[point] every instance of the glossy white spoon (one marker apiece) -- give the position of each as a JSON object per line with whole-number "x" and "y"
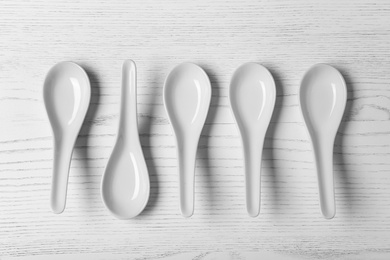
{"x": 187, "y": 96}
{"x": 125, "y": 184}
{"x": 252, "y": 97}
{"x": 66, "y": 93}
{"x": 322, "y": 97}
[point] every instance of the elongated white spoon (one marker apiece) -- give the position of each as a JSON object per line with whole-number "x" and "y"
{"x": 187, "y": 96}
{"x": 125, "y": 183}
{"x": 323, "y": 96}
{"x": 252, "y": 97}
{"x": 66, "y": 93}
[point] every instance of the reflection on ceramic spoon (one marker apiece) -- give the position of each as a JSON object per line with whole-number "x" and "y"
{"x": 252, "y": 97}
{"x": 125, "y": 183}
{"x": 187, "y": 95}
{"x": 66, "y": 94}
{"x": 323, "y": 97}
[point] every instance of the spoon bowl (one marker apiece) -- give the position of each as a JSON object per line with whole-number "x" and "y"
{"x": 125, "y": 183}
{"x": 187, "y": 96}
{"x": 252, "y": 97}
{"x": 323, "y": 97}
{"x": 66, "y": 94}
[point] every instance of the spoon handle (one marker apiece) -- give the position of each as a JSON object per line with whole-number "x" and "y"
{"x": 324, "y": 163}
{"x": 62, "y": 158}
{"x": 252, "y": 154}
{"x": 128, "y": 118}
{"x": 187, "y": 159}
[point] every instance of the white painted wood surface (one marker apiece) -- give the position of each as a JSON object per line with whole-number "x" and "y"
{"x": 285, "y": 36}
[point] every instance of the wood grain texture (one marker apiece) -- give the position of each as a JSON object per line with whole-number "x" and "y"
{"x": 285, "y": 36}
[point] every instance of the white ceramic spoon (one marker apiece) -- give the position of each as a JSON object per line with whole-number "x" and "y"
{"x": 125, "y": 184}
{"x": 66, "y": 93}
{"x": 322, "y": 97}
{"x": 187, "y": 96}
{"x": 252, "y": 97}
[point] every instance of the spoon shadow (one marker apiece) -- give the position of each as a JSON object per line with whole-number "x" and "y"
{"x": 89, "y": 177}
{"x": 342, "y": 174}
{"x": 269, "y": 161}
{"x": 145, "y": 124}
{"x": 204, "y": 170}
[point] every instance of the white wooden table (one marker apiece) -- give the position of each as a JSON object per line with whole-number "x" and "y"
{"x": 285, "y": 36}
